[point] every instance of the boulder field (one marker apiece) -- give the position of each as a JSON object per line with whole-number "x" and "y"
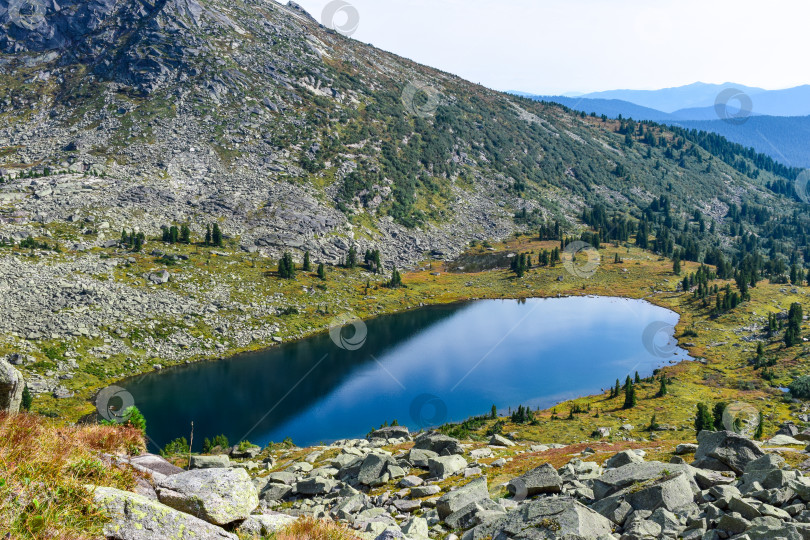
{"x": 384, "y": 487}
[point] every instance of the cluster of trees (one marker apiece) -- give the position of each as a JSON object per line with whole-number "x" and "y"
{"x": 522, "y": 415}
{"x": 134, "y": 240}
{"x": 373, "y": 260}
{"x": 286, "y": 266}
{"x": 172, "y": 234}
{"x": 396, "y": 280}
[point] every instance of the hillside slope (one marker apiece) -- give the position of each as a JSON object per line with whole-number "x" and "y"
{"x": 293, "y": 136}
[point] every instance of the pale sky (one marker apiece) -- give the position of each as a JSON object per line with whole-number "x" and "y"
{"x": 557, "y": 46}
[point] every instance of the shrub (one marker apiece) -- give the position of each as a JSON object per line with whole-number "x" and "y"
{"x": 177, "y": 446}
{"x": 800, "y": 387}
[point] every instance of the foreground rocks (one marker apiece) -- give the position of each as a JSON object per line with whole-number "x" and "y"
{"x": 11, "y": 388}
{"x": 443, "y": 488}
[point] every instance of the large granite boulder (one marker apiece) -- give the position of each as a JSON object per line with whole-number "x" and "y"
{"x": 457, "y": 499}
{"x": 11, "y": 388}
{"x": 220, "y": 461}
{"x": 551, "y": 517}
{"x": 615, "y": 480}
{"x": 725, "y": 451}
{"x": 390, "y": 433}
{"x": 219, "y": 496}
{"x": 669, "y": 492}
{"x": 419, "y": 457}
{"x": 135, "y": 517}
{"x": 542, "y": 479}
{"x": 373, "y": 469}
{"x": 436, "y": 442}
{"x": 261, "y": 525}
{"x": 444, "y": 466}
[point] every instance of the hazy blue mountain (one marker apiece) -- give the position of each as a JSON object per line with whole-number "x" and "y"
{"x": 696, "y": 95}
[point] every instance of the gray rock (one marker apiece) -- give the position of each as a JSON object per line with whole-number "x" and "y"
{"x": 390, "y": 432}
{"x": 219, "y": 496}
{"x": 623, "y": 458}
{"x": 500, "y": 440}
{"x": 455, "y": 500}
{"x": 275, "y": 492}
{"x": 418, "y": 492}
{"x": 373, "y": 468}
{"x": 210, "y": 462}
{"x": 671, "y": 493}
{"x": 542, "y": 479}
{"x": 315, "y": 486}
{"x": 475, "y": 513}
{"x": 416, "y": 527}
{"x": 551, "y": 517}
{"x": 257, "y": 525}
{"x": 436, "y": 442}
{"x": 685, "y": 448}
{"x": 135, "y": 517}
{"x": 725, "y": 450}
{"x": 444, "y": 466}
{"x": 419, "y": 457}
{"x": 615, "y": 480}
{"x": 11, "y": 388}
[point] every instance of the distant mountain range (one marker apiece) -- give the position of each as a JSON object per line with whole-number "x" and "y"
{"x": 774, "y": 122}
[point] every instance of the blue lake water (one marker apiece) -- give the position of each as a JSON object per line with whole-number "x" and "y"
{"x": 422, "y": 367}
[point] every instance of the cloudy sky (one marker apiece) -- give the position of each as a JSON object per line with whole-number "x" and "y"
{"x": 557, "y": 46}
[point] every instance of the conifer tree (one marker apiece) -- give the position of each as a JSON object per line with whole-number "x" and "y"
{"x": 703, "y": 419}
{"x": 216, "y": 235}
{"x": 208, "y": 235}
{"x": 629, "y": 395}
{"x": 185, "y": 234}
{"x": 351, "y": 258}
{"x": 307, "y": 267}
{"x": 396, "y": 280}
{"x": 662, "y": 390}
{"x": 286, "y": 266}
{"x": 321, "y": 271}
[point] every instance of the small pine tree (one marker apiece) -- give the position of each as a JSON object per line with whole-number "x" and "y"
{"x": 760, "y": 426}
{"x": 662, "y": 390}
{"x": 133, "y": 417}
{"x": 351, "y": 258}
{"x": 493, "y": 413}
{"x": 185, "y": 234}
{"x": 676, "y": 266}
{"x": 321, "y": 271}
{"x": 717, "y": 416}
{"x": 653, "y": 423}
{"x": 216, "y": 235}
{"x": 616, "y": 389}
{"x": 703, "y": 420}
{"x": 286, "y": 266}
{"x": 630, "y": 396}
{"x": 27, "y": 399}
{"x": 208, "y": 235}
{"x": 307, "y": 264}
{"x": 637, "y": 379}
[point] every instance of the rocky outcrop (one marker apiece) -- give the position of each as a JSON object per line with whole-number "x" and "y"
{"x": 11, "y": 388}
{"x": 219, "y": 496}
{"x": 725, "y": 451}
{"x": 135, "y": 517}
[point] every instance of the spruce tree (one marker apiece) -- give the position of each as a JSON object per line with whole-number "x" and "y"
{"x": 286, "y": 266}
{"x": 208, "y": 235}
{"x": 307, "y": 267}
{"x": 662, "y": 390}
{"x": 703, "y": 419}
{"x": 185, "y": 234}
{"x": 216, "y": 235}
{"x": 396, "y": 280}
{"x": 27, "y": 399}
{"x": 351, "y": 258}
{"x": 629, "y": 395}
{"x": 760, "y": 426}
{"x": 616, "y": 389}
{"x": 321, "y": 271}
{"x": 637, "y": 379}
{"x": 717, "y": 415}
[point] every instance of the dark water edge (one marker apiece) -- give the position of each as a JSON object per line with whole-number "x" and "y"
{"x": 422, "y": 367}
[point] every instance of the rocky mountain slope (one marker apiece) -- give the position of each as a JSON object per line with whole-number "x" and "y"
{"x": 292, "y": 136}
